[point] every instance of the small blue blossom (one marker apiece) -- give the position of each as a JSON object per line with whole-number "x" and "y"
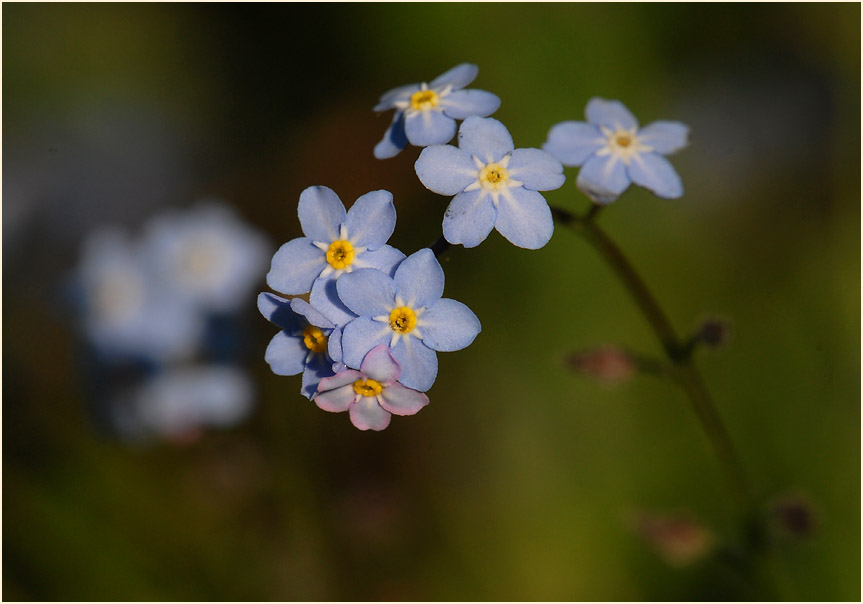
{"x": 309, "y": 342}
{"x": 335, "y": 243}
{"x": 180, "y": 402}
{"x": 127, "y": 311}
{"x": 495, "y": 185}
{"x": 614, "y": 152}
{"x": 405, "y": 312}
{"x": 207, "y": 254}
{"x": 426, "y": 113}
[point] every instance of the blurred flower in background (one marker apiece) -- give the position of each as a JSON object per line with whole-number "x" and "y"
{"x": 153, "y": 308}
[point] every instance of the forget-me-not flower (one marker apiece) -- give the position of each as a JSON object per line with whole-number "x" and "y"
{"x": 371, "y": 395}
{"x": 207, "y": 254}
{"x": 309, "y": 342}
{"x": 495, "y": 185}
{"x": 127, "y": 310}
{"x": 181, "y": 401}
{"x": 426, "y": 113}
{"x": 614, "y": 152}
{"x": 335, "y": 243}
{"x": 405, "y": 312}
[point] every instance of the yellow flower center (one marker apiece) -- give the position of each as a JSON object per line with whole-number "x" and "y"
{"x": 493, "y": 176}
{"x": 403, "y": 319}
{"x": 623, "y": 140}
{"x": 314, "y": 339}
{"x": 367, "y": 387}
{"x": 424, "y": 99}
{"x": 341, "y": 254}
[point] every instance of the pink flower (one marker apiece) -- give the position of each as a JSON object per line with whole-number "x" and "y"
{"x": 372, "y": 394}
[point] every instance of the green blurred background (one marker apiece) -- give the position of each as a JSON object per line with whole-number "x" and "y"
{"x": 520, "y": 480}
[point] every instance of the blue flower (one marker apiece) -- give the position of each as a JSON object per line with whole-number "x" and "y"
{"x": 613, "y": 152}
{"x": 405, "y": 312}
{"x": 207, "y": 254}
{"x": 127, "y": 309}
{"x": 336, "y": 242}
{"x": 426, "y": 113}
{"x": 179, "y": 403}
{"x": 309, "y": 342}
{"x": 495, "y": 185}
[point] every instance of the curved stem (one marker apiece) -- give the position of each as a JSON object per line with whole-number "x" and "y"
{"x": 685, "y": 373}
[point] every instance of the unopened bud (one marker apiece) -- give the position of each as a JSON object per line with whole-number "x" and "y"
{"x": 793, "y": 516}
{"x": 677, "y": 538}
{"x": 715, "y": 333}
{"x": 608, "y": 364}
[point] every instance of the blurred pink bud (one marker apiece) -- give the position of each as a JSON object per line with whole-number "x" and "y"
{"x": 608, "y": 364}
{"x": 715, "y": 333}
{"x": 677, "y": 538}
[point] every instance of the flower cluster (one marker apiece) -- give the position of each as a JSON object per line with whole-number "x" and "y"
{"x": 370, "y": 310}
{"x": 148, "y": 306}
{"x": 366, "y": 331}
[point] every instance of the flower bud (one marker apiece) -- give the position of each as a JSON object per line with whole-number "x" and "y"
{"x": 715, "y": 333}
{"x": 793, "y": 516}
{"x": 677, "y": 538}
{"x": 608, "y": 364}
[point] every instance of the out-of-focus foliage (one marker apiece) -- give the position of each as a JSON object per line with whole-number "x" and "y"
{"x": 520, "y": 479}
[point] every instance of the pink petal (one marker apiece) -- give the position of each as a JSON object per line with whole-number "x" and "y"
{"x": 336, "y": 400}
{"x": 401, "y": 400}
{"x": 348, "y": 376}
{"x": 380, "y": 365}
{"x": 367, "y": 414}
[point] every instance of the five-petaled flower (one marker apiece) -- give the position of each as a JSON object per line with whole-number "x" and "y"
{"x": 405, "y": 312}
{"x": 613, "y": 152}
{"x": 371, "y": 395}
{"x": 495, "y": 185}
{"x": 309, "y": 342}
{"x": 426, "y": 113}
{"x": 335, "y": 243}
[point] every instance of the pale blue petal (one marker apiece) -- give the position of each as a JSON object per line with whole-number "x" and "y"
{"x": 367, "y": 292}
{"x": 399, "y": 400}
{"x": 429, "y": 127}
{"x": 485, "y": 137}
{"x": 448, "y": 325}
{"x": 603, "y": 179}
{"x": 524, "y": 218}
{"x": 385, "y": 259}
{"x": 278, "y": 310}
{"x": 458, "y": 77}
{"x": 336, "y": 400}
{"x": 465, "y": 103}
{"x": 325, "y": 298}
{"x": 394, "y": 139}
{"x": 419, "y": 279}
{"x": 317, "y": 369}
{"x": 655, "y": 173}
{"x": 536, "y": 169}
{"x": 418, "y": 362}
{"x": 469, "y": 218}
{"x": 321, "y": 214}
{"x": 334, "y": 348}
{"x": 286, "y": 354}
{"x": 367, "y": 414}
{"x": 360, "y": 336}
{"x": 445, "y": 169}
{"x": 380, "y": 365}
{"x": 295, "y": 266}
{"x": 574, "y": 142}
{"x": 371, "y": 220}
{"x": 312, "y": 315}
{"x": 389, "y": 98}
{"x": 611, "y": 114}
{"x": 665, "y": 137}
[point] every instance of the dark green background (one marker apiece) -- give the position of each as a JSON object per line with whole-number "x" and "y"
{"x": 519, "y": 480}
